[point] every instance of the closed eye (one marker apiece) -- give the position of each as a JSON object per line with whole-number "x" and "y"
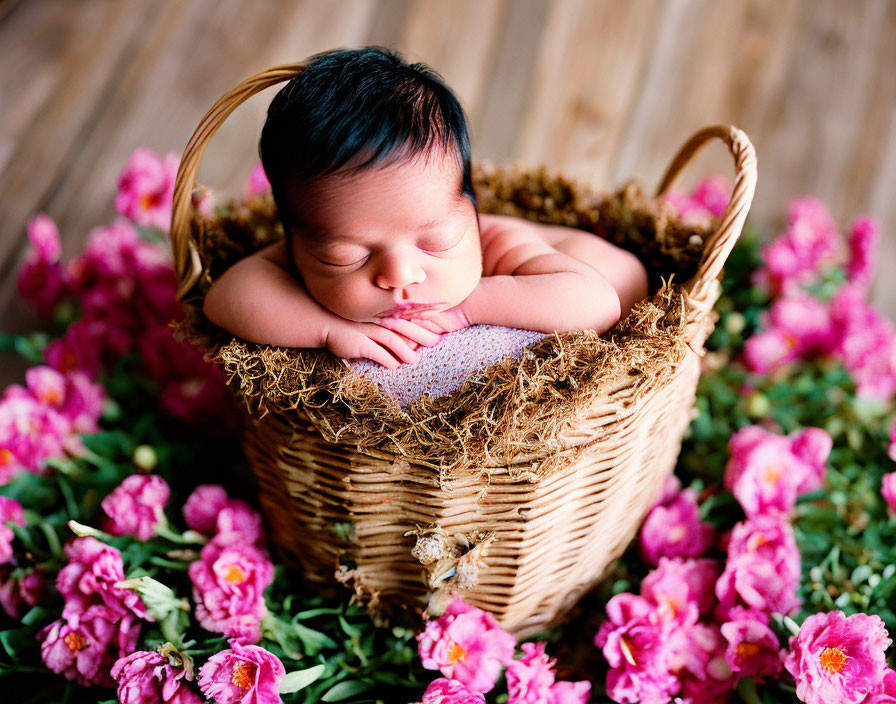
{"x": 440, "y": 248}
{"x": 340, "y": 265}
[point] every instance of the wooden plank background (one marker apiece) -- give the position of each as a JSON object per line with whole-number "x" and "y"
{"x": 603, "y": 89}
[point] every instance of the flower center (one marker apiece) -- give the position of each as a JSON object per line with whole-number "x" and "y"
{"x": 756, "y": 541}
{"x": 772, "y": 473}
{"x": 75, "y": 642}
{"x": 234, "y": 574}
{"x": 456, "y": 654}
{"x": 243, "y": 674}
{"x": 51, "y": 397}
{"x": 747, "y": 650}
{"x": 5, "y": 457}
{"x": 833, "y": 660}
{"x": 149, "y": 200}
{"x": 626, "y": 649}
{"x": 677, "y": 533}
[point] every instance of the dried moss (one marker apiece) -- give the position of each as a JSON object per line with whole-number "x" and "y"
{"x": 510, "y": 413}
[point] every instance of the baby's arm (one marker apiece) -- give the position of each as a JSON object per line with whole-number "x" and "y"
{"x": 546, "y": 278}
{"x": 259, "y": 300}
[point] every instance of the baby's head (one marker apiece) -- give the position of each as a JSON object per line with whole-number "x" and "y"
{"x": 369, "y": 163}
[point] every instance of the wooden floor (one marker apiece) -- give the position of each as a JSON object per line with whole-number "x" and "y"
{"x": 604, "y": 89}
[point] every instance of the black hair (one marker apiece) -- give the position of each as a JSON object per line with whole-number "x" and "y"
{"x": 349, "y": 101}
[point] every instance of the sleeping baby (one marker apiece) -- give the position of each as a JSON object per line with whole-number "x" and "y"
{"x": 369, "y": 163}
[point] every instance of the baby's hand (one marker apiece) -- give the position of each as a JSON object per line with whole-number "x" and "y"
{"x": 443, "y": 321}
{"x": 378, "y": 342}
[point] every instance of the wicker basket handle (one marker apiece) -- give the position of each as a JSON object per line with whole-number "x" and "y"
{"x": 187, "y": 264}
{"x": 719, "y": 245}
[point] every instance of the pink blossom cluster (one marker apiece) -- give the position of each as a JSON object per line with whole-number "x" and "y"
{"x": 767, "y": 471}
{"x": 839, "y": 658}
{"x": 45, "y": 418}
{"x": 799, "y": 325}
{"x": 136, "y": 505}
{"x": 708, "y": 200}
{"x": 124, "y": 289}
{"x": 100, "y": 621}
{"x": 697, "y": 628}
{"x": 470, "y": 649}
{"x": 233, "y": 569}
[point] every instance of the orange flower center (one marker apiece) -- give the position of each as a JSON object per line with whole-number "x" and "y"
{"x": 51, "y": 397}
{"x": 75, "y": 642}
{"x": 5, "y": 457}
{"x": 234, "y": 574}
{"x": 149, "y": 200}
{"x": 833, "y": 660}
{"x": 772, "y": 473}
{"x": 456, "y": 654}
{"x": 243, "y": 674}
{"x": 756, "y": 541}
{"x": 747, "y": 650}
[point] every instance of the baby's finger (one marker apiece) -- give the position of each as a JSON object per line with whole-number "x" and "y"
{"x": 395, "y": 343}
{"x": 380, "y": 355}
{"x": 412, "y": 330}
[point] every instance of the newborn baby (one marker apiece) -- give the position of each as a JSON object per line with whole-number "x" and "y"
{"x": 369, "y": 163}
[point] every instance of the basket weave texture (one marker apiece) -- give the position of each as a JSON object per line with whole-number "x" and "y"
{"x": 514, "y": 492}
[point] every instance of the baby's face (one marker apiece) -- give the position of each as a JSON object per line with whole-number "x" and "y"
{"x": 371, "y": 243}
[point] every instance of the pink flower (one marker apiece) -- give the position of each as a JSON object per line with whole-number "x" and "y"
{"x": 30, "y": 433}
{"x": 467, "y": 644}
{"x": 146, "y": 188}
{"x": 42, "y": 282}
{"x": 80, "y": 349}
{"x": 767, "y": 471}
{"x": 708, "y": 200}
{"x": 865, "y": 341}
{"x": 10, "y": 512}
{"x": 696, "y": 657}
{"x": 888, "y": 490}
{"x": 245, "y": 673}
{"x": 85, "y": 650}
{"x": 753, "y": 648}
{"x": 530, "y": 680}
{"x": 21, "y": 589}
{"x": 796, "y": 326}
{"x": 136, "y": 505}
{"x": 444, "y": 691}
{"x": 835, "y": 658}
{"x": 863, "y": 238}
{"x": 796, "y": 257}
{"x": 89, "y": 580}
{"x": 675, "y": 530}
{"x": 763, "y": 568}
{"x": 209, "y": 511}
{"x": 228, "y": 589}
{"x": 257, "y": 184}
{"x": 635, "y": 643}
{"x": 677, "y": 583}
{"x": 145, "y": 677}
{"x": 202, "y": 507}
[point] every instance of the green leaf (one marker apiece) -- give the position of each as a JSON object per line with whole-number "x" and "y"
{"x": 344, "y": 690}
{"x": 300, "y": 679}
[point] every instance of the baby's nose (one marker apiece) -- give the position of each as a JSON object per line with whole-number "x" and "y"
{"x": 398, "y": 272}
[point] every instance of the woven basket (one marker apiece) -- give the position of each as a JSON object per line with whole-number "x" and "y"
{"x": 516, "y": 491}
